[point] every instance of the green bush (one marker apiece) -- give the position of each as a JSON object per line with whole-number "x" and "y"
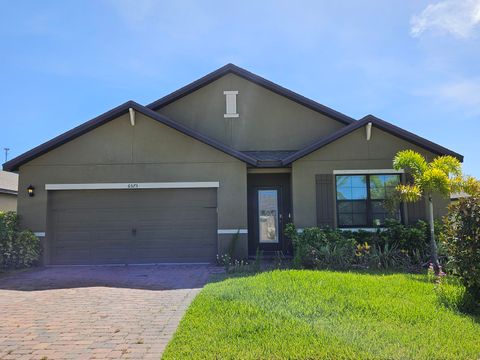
{"x": 461, "y": 238}
{"x": 394, "y": 246}
{"x": 316, "y": 248}
{"x": 18, "y": 248}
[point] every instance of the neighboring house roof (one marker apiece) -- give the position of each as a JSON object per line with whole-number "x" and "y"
{"x": 8, "y": 183}
{"x": 267, "y": 84}
{"x": 15, "y": 163}
{"x": 378, "y": 123}
{"x": 459, "y": 195}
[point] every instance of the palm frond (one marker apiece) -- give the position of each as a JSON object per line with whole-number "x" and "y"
{"x": 448, "y": 164}
{"x": 409, "y": 192}
{"x": 411, "y": 162}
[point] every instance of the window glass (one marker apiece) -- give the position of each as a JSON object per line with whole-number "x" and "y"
{"x": 383, "y": 185}
{"x": 352, "y": 187}
{"x": 361, "y": 199}
{"x": 268, "y": 216}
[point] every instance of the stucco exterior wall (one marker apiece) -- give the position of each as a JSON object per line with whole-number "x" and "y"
{"x": 146, "y": 152}
{"x": 265, "y": 117}
{"x": 8, "y": 202}
{"x": 352, "y": 152}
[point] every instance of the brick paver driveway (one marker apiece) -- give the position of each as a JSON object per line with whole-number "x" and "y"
{"x": 94, "y": 312}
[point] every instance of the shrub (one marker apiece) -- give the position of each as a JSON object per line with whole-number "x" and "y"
{"x": 316, "y": 248}
{"x": 394, "y": 246}
{"x": 18, "y": 248}
{"x": 461, "y": 238}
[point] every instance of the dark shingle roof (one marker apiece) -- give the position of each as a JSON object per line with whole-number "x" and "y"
{"x": 269, "y": 155}
{"x": 269, "y": 158}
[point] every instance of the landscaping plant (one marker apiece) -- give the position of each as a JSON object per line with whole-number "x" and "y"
{"x": 18, "y": 248}
{"x": 461, "y": 238}
{"x": 394, "y": 246}
{"x": 440, "y": 176}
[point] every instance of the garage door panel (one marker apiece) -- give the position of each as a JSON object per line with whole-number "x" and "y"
{"x": 199, "y": 235}
{"x": 68, "y": 256}
{"x": 132, "y": 226}
{"x": 190, "y": 255}
{"x": 171, "y": 243}
{"x": 131, "y": 199}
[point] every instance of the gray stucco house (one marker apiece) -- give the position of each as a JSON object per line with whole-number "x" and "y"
{"x": 232, "y": 152}
{"x": 8, "y": 191}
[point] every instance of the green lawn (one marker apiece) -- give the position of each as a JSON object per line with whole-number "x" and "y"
{"x": 297, "y": 314}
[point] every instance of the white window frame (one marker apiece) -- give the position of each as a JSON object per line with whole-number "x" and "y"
{"x": 368, "y": 172}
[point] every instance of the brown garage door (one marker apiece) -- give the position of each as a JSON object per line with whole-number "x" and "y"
{"x": 132, "y": 226}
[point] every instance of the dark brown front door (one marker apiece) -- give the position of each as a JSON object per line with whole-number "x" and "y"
{"x": 269, "y": 210}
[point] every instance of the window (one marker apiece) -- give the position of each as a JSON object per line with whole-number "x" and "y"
{"x": 361, "y": 199}
{"x": 268, "y": 215}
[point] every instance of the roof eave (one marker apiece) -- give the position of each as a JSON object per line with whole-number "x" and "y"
{"x": 14, "y": 164}
{"x": 382, "y": 125}
{"x": 8, "y": 192}
{"x": 267, "y": 84}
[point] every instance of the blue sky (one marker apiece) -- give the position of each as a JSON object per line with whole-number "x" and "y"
{"x": 413, "y": 63}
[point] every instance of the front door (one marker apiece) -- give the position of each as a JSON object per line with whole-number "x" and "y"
{"x": 269, "y": 211}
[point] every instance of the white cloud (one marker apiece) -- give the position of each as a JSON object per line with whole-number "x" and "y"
{"x": 457, "y": 17}
{"x": 463, "y": 94}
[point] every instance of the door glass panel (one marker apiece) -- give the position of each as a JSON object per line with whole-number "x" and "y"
{"x": 268, "y": 216}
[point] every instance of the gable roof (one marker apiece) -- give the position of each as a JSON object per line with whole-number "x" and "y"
{"x": 15, "y": 163}
{"x": 233, "y": 69}
{"x": 382, "y": 125}
{"x": 253, "y": 158}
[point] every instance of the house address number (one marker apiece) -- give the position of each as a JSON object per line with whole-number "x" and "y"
{"x": 132, "y": 186}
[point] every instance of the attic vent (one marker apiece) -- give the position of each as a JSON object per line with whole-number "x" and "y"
{"x": 231, "y": 104}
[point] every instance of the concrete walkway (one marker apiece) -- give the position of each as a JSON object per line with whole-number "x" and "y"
{"x": 126, "y": 312}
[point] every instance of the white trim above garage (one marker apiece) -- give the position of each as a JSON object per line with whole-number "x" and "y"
{"x": 133, "y": 186}
{"x": 369, "y": 171}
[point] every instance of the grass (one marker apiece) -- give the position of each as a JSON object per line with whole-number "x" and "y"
{"x": 298, "y": 314}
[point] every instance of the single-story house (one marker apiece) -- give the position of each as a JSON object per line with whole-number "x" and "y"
{"x": 8, "y": 191}
{"x": 231, "y": 153}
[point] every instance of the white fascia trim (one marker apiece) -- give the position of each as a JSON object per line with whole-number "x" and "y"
{"x": 231, "y": 231}
{"x": 133, "y": 186}
{"x": 39, "y": 234}
{"x": 369, "y": 171}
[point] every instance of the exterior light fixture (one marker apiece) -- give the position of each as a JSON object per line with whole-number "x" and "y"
{"x": 31, "y": 191}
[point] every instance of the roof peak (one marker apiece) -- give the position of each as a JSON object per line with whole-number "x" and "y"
{"x": 267, "y": 84}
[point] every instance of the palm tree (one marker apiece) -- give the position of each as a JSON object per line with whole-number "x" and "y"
{"x": 443, "y": 175}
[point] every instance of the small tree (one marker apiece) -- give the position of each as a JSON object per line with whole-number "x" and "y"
{"x": 443, "y": 175}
